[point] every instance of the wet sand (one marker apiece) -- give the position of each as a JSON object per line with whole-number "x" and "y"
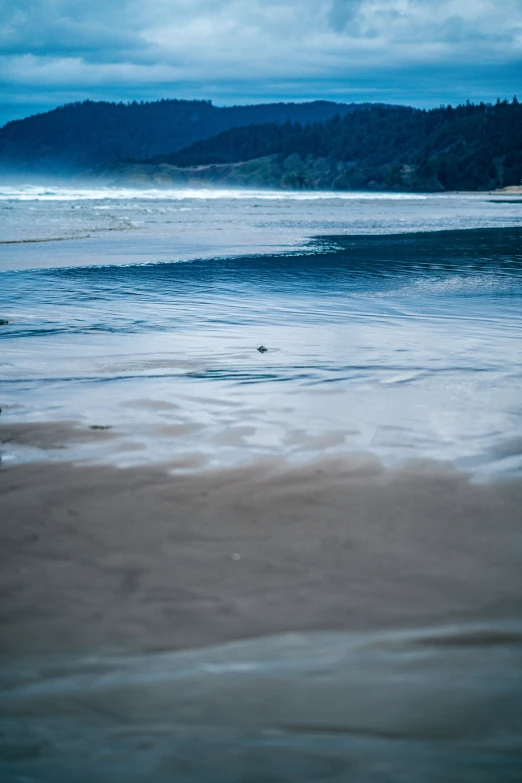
{"x": 98, "y": 558}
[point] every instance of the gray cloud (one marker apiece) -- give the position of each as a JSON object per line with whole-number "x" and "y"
{"x": 341, "y": 13}
{"x": 238, "y": 50}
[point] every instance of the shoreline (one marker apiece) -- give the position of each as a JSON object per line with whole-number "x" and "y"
{"x": 79, "y": 182}
{"x": 253, "y": 590}
{"x": 145, "y": 242}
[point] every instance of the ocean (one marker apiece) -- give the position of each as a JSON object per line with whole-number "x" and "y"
{"x": 392, "y": 326}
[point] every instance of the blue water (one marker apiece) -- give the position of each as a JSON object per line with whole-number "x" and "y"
{"x": 402, "y": 340}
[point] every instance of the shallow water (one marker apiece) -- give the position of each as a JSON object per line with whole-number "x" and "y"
{"x": 402, "y": 340}
{"x": 440, "y": 704}
{"x": 57, "y": 227}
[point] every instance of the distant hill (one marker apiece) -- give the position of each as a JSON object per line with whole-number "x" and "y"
{"x": 316, "y": 145}
{"x": 471, "y": 147}
{"x": 82, "y": 136}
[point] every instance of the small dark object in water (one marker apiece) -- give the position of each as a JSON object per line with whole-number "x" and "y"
{"x": 3, "y": 321}
{"x": 262, "y": 349}
{"x": 99, "y": 427}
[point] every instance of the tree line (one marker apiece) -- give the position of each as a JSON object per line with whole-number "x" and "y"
{"x": 468, "y": 147}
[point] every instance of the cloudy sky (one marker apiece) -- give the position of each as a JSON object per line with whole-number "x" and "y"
{"x": 420, "y": 52}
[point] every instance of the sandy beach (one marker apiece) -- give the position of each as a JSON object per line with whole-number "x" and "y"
{"x": 220, "y": 565}
{"x": 99, "y": 558}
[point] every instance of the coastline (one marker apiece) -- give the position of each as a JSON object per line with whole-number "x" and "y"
{"x": 165, "y": 177}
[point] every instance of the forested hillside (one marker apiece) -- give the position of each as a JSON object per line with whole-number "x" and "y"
{"x": 82, "y": 136}
{"x": 309, "y": 145}
{"x": 470, "y": 147}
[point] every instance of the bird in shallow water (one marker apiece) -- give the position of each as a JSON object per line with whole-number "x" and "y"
{"x": 262, "y": 349}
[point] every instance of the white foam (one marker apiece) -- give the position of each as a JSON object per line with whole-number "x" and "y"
{"x": 62, "y": 193}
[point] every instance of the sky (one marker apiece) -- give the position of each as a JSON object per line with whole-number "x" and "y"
{"x": 417, "y": 52}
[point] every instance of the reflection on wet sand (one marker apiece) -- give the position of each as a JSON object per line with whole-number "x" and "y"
{"x": 316, "y": 570}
